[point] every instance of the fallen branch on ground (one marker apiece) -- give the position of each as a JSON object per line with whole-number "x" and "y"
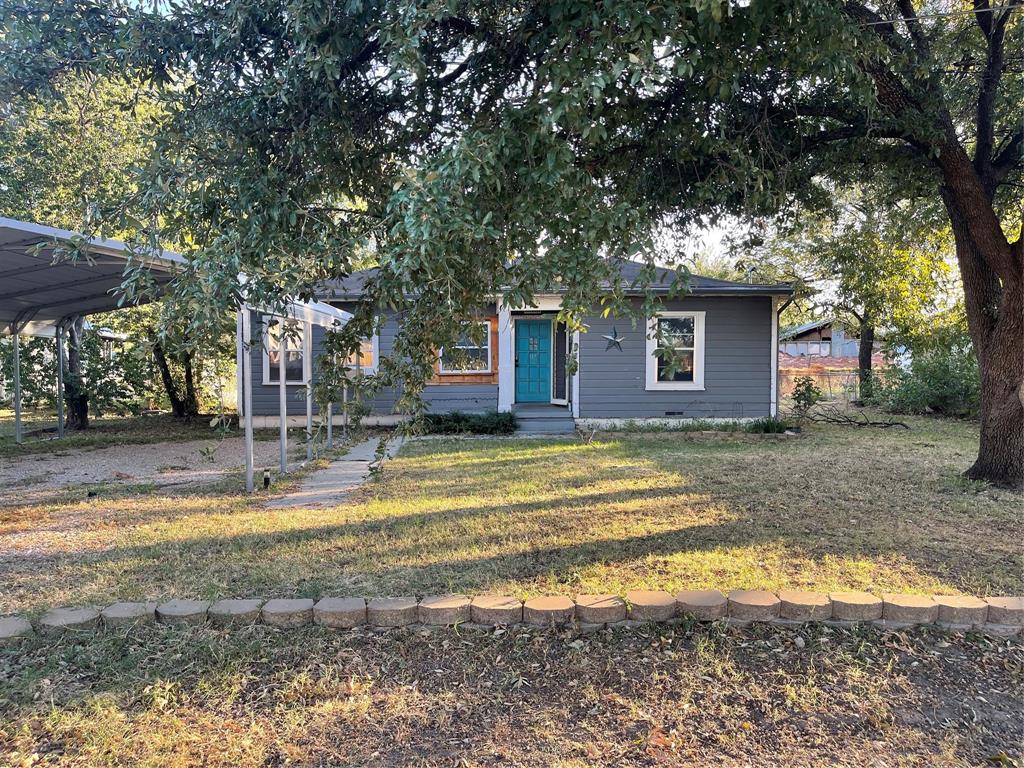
{"x": 832, "y": 415}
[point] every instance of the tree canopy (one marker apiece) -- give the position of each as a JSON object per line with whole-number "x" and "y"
{"x": 70, "y": 155}
{"x": 480, "y": 149}
{"x": 858, "y": 261}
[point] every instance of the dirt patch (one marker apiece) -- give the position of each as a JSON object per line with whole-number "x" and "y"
{"x": 196, "y": 462}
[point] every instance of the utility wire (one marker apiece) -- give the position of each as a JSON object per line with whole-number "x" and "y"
{"x": 943, "y": 15}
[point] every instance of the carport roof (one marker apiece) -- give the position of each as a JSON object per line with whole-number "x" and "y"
{"x": 37, "y": 291}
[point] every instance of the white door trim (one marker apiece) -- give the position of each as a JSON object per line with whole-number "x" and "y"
{"x": 554, "y": 369}
{"x": 575, "y": 378}
{"x": 506, "y": 358}
{"x": 774, "y": 406}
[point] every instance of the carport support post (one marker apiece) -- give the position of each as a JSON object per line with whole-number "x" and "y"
{"x": 282, "y": 388}
{"x": 307, "y": 365}
{"x": 17, "y": 383}
{"x": 344, "y": 411}
{"x": 245, "y": 354}
{"x": 60, "y": 379}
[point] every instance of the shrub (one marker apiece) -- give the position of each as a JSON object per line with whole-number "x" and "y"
{"x": 806, "y": 394}
{"x": 942, "y": 374}
{"x": 458, "y": 423}
{"x": 937, "y": 381}
{"x": 767, "y": 425}
{"x": 116, "y": 378}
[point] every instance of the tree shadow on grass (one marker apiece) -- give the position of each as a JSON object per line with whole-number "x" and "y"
{"x": 549, "y": 540}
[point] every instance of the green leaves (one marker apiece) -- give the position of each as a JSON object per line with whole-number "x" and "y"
{"x": 486, "y": 150}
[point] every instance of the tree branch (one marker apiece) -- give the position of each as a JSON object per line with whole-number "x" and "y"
{"x": 884, "y": 29}
{"x": 994, "y": 31}
{"x": 1009, "y": 156}
{"x": 983, "y": 16}
{"x": 916, "y": 31}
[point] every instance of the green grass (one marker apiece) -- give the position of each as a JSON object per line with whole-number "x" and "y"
{"x": 838, "y": 508}
{"x": 160, "y": 697}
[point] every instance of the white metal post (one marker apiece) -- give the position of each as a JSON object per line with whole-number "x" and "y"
{"x": 282, "y": 355}
{"x": 239, "y": 346}
{"x": 245, "y": 373}
{"x": 307, "y": 366}
{"x": 330, "y": 426}
{"x": 60, "y": 379}
{"x": 17, "y": 384}
{"x": 344, "y": 411}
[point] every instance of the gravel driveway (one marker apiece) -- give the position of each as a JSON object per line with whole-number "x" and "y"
{"x": 165, "y": 464}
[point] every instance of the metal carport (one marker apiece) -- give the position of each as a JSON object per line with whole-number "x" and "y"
{"x": 41, "y": 290}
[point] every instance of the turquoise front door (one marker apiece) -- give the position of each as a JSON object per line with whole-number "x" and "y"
{"x": 533, "y": 361}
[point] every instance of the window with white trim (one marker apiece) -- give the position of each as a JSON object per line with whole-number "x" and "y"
{"x": 365, "y": 360}
{"x": 473, "y": 355}
{"x": 678, "y": 363}
{"x": 297, "y": 345}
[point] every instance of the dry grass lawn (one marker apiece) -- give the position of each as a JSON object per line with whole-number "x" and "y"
{"x": 839, "y": 508}
{"x": 160, "y": 697}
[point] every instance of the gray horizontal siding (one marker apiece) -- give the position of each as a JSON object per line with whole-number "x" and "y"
{"x": 737, "y": 370}
{"x": 439, "y": 398}
{"x": 737, "y": 365}
{"x": 265, "y": 397}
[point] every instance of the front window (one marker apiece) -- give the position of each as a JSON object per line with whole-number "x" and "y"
{"x": 675, "y": 363}
{"x": 471, "y": 354}
{"x": 365, "y": 360}
{"x": 675, "y": 351}
{"x": 294, "y": 359}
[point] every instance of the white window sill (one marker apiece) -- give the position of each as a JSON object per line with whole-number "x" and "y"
{"x": 680, "y": 387}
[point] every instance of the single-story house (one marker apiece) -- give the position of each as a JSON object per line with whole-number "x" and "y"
{"x": 726, "y": 334}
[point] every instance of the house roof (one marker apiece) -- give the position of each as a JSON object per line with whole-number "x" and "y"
{"x": 352, "y": 287}
{"x": 38, "y": 290}
{"x": 797, "y": 330}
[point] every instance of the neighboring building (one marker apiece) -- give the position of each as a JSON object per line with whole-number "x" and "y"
{"x": 820, "y": 338}
{"x": 727, "y": 332}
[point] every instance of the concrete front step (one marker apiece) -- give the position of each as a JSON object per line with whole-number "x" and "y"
{"x": 552, "y": 412}
{"x": 532, "y": 426}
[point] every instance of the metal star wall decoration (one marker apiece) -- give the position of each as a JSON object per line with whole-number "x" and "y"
{"x": 614, "y": 340}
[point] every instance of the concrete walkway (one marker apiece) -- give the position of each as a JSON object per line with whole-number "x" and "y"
{"x": 333, "y": 484}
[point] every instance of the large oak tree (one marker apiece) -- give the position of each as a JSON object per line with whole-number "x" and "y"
{"x": 487, "y": 147}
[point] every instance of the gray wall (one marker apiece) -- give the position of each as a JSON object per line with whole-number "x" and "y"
{"x": 438, "y": 397}
{"x": 737, "y": 370}
{"x": 737, "y": 365}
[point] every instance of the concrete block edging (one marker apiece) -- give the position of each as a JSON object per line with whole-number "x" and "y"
{"x": 1001, "y": 616}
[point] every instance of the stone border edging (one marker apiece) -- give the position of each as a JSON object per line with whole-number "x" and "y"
{"x": 996, "y": 616}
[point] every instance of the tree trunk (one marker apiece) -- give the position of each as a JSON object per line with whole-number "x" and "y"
{"x": 1001, "y": 453}
{"x": 191, "y": 399}
{"x": 75, "y": 392}
{"x": 865, "y": 350}
{"x": 995, "y": 317}
{"x": 177, "y": 405}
